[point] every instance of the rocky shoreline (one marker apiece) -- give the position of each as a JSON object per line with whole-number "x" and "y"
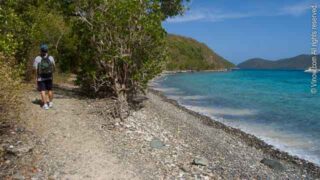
{"x": 78, "y": 139}
{"x": 249, "y": 139}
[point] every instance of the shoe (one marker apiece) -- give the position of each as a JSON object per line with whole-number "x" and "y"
{"x": 50, "y": 104}
{"x": 45, "y": 106}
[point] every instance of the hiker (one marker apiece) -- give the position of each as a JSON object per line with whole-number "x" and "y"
{"x": 44, "y": 66}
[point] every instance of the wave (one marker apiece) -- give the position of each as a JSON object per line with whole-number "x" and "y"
{"x": 222, "y": 111}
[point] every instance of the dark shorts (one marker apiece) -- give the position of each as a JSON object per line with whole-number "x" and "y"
{"x": 45, "y": 85}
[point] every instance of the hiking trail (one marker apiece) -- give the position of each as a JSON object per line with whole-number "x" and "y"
{"x": 73, "y": 148}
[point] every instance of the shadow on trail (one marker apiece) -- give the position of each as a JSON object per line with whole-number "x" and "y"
{"x": 61, "y": 92}
{"x": 64, "y": 92}
{"x": 37, "y": 101}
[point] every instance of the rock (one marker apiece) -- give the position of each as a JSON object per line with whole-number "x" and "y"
{"x": 37, "y": 177}
{"x": 273, "y": 164}
{"x": 184, "y": 167}
{"x": 201, "y": 161}
{"x": 20, "y": 129}
{"x": 157, "y": 143}
{"x": 18, "y": 151}
{"x": 2, "y": 152}
{"x": 18, "y": 177}
{"x": 53, "y": 176}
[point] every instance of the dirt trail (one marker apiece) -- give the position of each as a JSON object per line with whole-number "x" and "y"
{"x": 73, "y": 148}
{"x": 159, "y": 141}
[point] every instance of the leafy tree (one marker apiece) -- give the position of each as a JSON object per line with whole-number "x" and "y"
{"x": 121, "y": 47}
{"x": 172, "y": 8}
{"x": 11, "y": 26}
{"x": 46, "y": 26}
{"x": 119, "y": 44}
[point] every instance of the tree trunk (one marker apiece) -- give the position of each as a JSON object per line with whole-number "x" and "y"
{"x": 123, "y": 106}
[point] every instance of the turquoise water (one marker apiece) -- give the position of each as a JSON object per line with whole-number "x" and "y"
{"x": 274, "y": 105}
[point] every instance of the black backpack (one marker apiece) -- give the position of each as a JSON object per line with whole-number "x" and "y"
{"x": 45, "y": 67}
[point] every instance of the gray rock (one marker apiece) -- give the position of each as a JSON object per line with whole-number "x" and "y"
{"x": 273, "y": 164}
{"x": 54, "y": 176}
{"x": 20, "y": 129}
{"x": 18, "y": 151}
{"x": 184, "y": 168}
{"x": 2, "y": 152}
{"x": 201, "y": 161}
{"x": 157, "y": 143}
{"x": 18, "y": 177}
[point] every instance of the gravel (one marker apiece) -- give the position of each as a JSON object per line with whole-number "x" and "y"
{"x": 193, "y": 148}
{"x": 77, "y": 139}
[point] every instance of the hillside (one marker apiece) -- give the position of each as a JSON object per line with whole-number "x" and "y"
{"x": 298, "y": 62}
{"x": 189, "y": 54}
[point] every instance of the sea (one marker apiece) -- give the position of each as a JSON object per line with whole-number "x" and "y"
{"x": 276, "y": 106}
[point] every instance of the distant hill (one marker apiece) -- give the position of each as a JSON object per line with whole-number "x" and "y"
{"x": 298, "y": 62}
{"x": 189, "y": 54}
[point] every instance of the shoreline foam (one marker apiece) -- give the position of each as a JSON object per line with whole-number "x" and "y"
{"x": 251, "y": 140}
{"x": 290, "y": 143}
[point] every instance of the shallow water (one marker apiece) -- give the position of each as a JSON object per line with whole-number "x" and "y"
{"x": 274, "y": 105}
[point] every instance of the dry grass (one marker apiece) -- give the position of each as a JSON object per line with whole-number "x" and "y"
{"x": 10, "y": 89}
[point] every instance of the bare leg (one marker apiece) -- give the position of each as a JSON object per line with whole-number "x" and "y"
{"x": 50, "y": 93}
{"x": 43, "y": 97}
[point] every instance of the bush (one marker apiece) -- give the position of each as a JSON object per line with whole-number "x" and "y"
{"x": 121, "y": 47}
{"x": 10, "y": 86}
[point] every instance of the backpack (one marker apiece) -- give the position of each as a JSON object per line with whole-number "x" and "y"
{"x": 45, "y": 67}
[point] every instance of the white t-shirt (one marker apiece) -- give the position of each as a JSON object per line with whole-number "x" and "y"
{"x": 37, "y": 60}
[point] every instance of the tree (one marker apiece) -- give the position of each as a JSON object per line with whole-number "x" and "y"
{"x": 40, "y": 21}
{"x": 172, "y": 8}
{"x": 122, "y": 45}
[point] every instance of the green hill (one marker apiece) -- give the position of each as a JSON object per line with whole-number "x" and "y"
{"x": 189, "y": 54}
{"x": 298, "y": 62}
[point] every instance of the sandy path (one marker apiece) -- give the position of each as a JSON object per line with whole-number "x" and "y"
{"x": 73, "y": 149}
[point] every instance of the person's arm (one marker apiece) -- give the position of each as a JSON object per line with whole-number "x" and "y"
{"x": 53, "y": 62}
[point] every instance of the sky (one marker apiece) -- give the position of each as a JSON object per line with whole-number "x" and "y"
{"x": 242, "y": 29}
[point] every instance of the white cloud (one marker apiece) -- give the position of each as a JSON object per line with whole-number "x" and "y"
{"x": 221, "y": 15}
{"x": 296, "y": 9}
{"x": 187, "y": 18}
{"x": 224, "y": 16}
{"x": 206, "y": 16}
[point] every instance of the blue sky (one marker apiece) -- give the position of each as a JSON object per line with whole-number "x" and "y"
{"x": 243, "y": 29}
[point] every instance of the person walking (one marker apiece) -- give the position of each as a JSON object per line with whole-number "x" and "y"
{"x": 44, "y": 66}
